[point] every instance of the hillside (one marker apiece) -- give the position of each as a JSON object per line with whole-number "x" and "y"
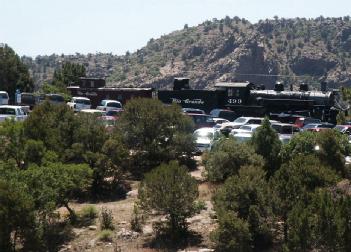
{"x": 226, "y": 50}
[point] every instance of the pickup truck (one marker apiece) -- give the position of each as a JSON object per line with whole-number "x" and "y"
{"x": 79, "y": 103}
{"x": 15, "y": 112}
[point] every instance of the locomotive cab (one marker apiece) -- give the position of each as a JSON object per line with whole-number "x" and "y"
{"x": 236, "y": 93}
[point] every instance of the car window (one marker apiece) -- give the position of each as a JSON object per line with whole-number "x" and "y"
{"x": 240, "y": 120}
{"x": 114, "y": 105}
{"x": 255, "y": 121}
{"x": 83, "y": 101}
{"x": 4, "y": 96}
{"x": 7, "y": 111}
{"x": 102, "y": 103}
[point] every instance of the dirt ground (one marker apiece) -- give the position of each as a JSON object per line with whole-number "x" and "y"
{"x": 87, "y": 238}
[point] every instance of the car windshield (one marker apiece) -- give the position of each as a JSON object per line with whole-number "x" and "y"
{"x": 3, "y": 96}
{"x": 7, "y": 111}
{"x": 203, "y": 134}
{"x": 310, "y": 126}
{"x": 340, "y": 128}
{"x": 240, "y": 120}
{"x": 83, "y": 101}
{"x": 114, "y": 105}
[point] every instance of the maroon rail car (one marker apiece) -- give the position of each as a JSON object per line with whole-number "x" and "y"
{"x": 95, "y": 90}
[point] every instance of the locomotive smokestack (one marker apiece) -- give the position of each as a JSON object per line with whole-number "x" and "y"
{"x": 279, "y": 86}
{"x": 303, "y": 87}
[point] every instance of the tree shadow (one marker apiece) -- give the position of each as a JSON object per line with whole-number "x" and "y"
{"x": 168, "y": 242}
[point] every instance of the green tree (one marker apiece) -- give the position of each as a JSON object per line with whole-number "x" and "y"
{"x": 16, "y": 213}
{"x": 54, "y": 125}
{"x": 13, "y": 73}
{"x": 171, "y": 191}
{"x": 12, "y": 141}
{"x": 55, "y": 184}
{"x": 266, "y": 143}
{"x": 155, "y": 133}
{"x": 232, "y": 234}
{"x": 227, "y": 157}
{"x": 246, "y": 196}
{"x": 323, "y": 223}
{"x": 68, "y": 74}
{"x": 295, "y": 181}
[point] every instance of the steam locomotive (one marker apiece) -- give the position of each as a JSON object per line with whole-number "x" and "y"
{"x": 244, "y": 98}
{"x": 248, "y": 99}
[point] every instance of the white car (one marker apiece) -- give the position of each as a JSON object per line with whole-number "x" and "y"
{"x": 248, "y": 128}
{"x": 79, "y": 103}
{"x": 218, "y": 120}
{"x": 4, "y": 98}
{"x": 204, "y": 138}
{"x": 15, "y": 112}
{"x": 96, "y": 112}
{"x": 107, "y": 105}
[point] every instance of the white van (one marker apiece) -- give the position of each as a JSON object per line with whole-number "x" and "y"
{"x": 4, "y": 98}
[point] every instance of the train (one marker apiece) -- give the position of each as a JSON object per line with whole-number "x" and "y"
{"x": 242, "y": 97}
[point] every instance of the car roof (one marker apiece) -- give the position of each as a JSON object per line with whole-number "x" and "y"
{"x": 111, "y": 101}
{"x": 10, "y": 106}
{"x": 206, "y": 129}
{"x": 79, "y": 97}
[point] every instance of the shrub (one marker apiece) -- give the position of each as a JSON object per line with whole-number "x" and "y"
{"x": 171, "y": 191}
{"x": 266, "y": 143}
{"x": 88, "y": 212}
{"x": 232, "y": 234}
{"x": 227, "y": 157}
{"x": 106, "y": 219}
{"x": 106, "y": 235}
{"x": 137, "y": 221}
{"x": 246, "y": 196}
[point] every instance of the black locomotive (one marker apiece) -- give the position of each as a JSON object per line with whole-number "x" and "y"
{"x": 244, "y": 98}
{"x": 248, "y": 99}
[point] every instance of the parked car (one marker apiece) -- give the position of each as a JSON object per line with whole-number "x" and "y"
{"x": 285, "y": 128}
{"x": 226, "y": 128}
{"x": 344, "y": 129}
{"x": 243, "y": 137}
{"x": 30, "y": 99}
{"x": 4, "y": 98}
{"x": 316, "y": 127}
{"x": 108, "y": 121}
{"x": 79, "y": 103}
{"x": 224, "y": 113}
{"x": 55, "y": 98}
{"x": 96, "y": 112}
{"x": 193, "y": 111}
{"x": 248, "y": 128}
{"x": 201, "y": 120}
{"x": 107, "y": 105}
{"x": 218, "y": 120}
{"x": 303, "y": 121}
{"x": 204, "y": 138}
{"x": 116, "y": 113}
{"x": 15, "y": 112}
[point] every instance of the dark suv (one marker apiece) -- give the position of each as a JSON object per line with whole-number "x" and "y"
{"x": 224, "y": 113}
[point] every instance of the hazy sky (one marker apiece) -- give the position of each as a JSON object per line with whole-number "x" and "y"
{"x": 43, "y": 27}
